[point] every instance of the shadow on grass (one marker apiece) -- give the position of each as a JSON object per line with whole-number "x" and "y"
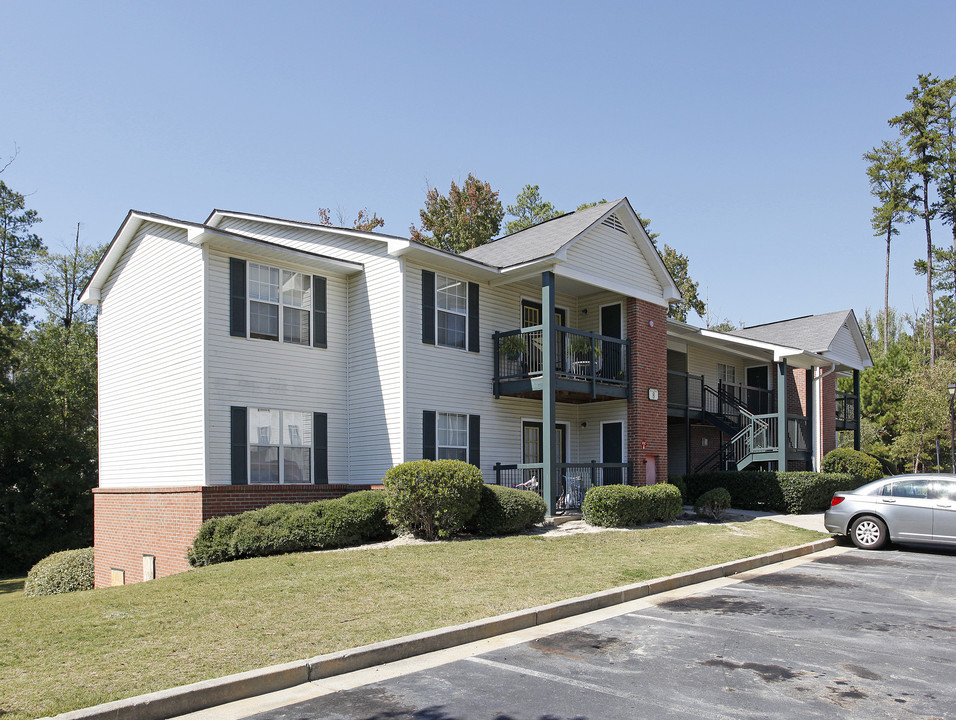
{"x": 11, "y": 585}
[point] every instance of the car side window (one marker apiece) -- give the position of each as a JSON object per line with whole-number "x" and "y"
{"x": 946, "y": 490}
{"x": 910, "y": 489}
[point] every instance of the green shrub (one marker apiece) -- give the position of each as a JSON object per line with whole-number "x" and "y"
{"x": 433, "y": 498}
{"x": 794, "y": 492}
{"x": 504, "y": 510}
{"x": 283, "y": 528}
{"x": 713, "y": 503}
{"x": 62, "y": 572}
{"x": 749, "y": 489}
{"x": 854, "y": 462}
{"x": 678, "y": 481}
{"x": 805, "y": 492}
{"x": 626, "y": 505}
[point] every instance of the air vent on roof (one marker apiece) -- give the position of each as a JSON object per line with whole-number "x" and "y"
{"x": 612, "y": 222}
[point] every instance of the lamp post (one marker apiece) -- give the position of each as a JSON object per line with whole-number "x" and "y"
{"x": 952, "y": 425}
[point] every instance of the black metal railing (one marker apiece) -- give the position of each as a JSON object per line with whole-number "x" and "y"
{"x": 685, "y": 390}
{"x": 577, "y": 355}
{"x": 846, "y": 410}
{"x": 574, "y": 479}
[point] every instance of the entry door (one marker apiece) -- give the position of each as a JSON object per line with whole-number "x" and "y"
{"x": 612, "y": 451}
{"x": 612, "y": 361}
{"x": 758, "y": 377}
{"x": 532, "y": 444}
{"x": 531, "y": 316}
{"x": 944, "y": 511}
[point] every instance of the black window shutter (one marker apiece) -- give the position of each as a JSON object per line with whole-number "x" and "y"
{"x": 237, "y": 297}
{"x": 238, "y": 428}
{"x": 319, "y": 312}
{"x": 428, "y": 307}
{"x": 473, "y": 317}
{"x": 429, "y": 433}
{"x": 320, "y": 446}
{"x": 474, "y": 440}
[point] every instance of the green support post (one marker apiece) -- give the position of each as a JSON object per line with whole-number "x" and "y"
{"x": 549, "y": 480}
{"x": 856, "y": 409}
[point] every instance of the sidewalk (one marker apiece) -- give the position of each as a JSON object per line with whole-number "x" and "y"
{"x": 811, "y": 521}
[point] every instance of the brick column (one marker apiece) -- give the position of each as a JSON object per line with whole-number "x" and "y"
{"x": 646, "y": 418}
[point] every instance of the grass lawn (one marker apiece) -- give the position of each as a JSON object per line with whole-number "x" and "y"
{"x": 65, "y": 652}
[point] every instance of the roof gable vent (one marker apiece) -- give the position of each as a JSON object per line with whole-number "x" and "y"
{"x": 612, "y": 222}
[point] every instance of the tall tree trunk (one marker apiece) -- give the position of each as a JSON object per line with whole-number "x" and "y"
{"x": 929, "y": 272}
{"x": 886, "y": 294}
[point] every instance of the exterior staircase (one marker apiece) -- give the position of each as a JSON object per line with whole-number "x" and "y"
{"x": 748, "y": 433}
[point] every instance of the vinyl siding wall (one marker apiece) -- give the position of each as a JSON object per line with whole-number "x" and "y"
{"x": 608, "y": 253}
{"x": 372, "y": 376}
{"x": 262, "y": 373}
{"x": 703, "y": 361}
{"x": 458, "y": 381}
{"x": 151, "y": 364}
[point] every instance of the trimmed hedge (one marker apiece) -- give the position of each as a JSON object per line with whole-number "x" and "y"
{"x": 854, "y": 462}
{"x": 626, "y": 505}
{"x": 432, "y": 498}
{"x": 678, "y": 481}
{"x": 504, "y": 510}
{"x": 283, "y": 528}
{"x": 713, "y": 503}
{"x": 791, "y": 492}
{"x": 62, "y": 572}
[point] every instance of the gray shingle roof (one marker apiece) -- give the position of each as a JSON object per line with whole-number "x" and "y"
{"x": 812, "y": 332}
{"x": 540, "y": 240}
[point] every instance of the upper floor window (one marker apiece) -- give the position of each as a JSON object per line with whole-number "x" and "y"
{"x": 727, "y": 374}
{"x": 270, "y": 303}
{"x": 279, "y": 295}
{"x": 449, "y": 312}
{"x": 451, "y": 301}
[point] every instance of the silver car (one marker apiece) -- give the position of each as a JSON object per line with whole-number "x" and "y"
{"x": 904, "y": 508}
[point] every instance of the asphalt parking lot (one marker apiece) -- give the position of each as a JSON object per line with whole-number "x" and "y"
{"x": 839, "y": 634}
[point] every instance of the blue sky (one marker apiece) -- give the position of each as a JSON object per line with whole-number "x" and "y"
{"x": 737, "y": 127}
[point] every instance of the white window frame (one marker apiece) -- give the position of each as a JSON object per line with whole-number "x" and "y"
{"x": 722, "y": 373}
{"x": 446, "y": 280}
{"x": 281, "y": 445}
{"x": 459, "y": 449}
{"x": 280, "y": 303}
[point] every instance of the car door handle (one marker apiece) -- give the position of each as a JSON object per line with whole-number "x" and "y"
{"x": 887, "y": 500}
{"x": 944, "y": 505}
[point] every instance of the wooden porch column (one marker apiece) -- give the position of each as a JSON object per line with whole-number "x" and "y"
{"x": 856, "y": 410}
{"x": 782, "y": 416}
{"x": 549, "y": 479}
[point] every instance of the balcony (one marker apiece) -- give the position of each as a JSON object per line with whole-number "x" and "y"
{"x": 575, "y": 479}
{"x": 588, "y": 367}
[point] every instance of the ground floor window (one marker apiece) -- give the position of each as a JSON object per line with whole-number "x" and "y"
{"x": 280, "y": 446}
{"x": 452, "y": 436}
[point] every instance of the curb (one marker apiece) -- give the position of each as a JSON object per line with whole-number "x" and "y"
{"x": 211, "y": 693}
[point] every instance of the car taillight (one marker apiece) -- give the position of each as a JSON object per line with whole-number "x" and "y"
{"x": 837, "y": 499}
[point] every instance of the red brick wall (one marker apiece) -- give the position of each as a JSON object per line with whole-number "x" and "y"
{"x": 699, "y": 453}
{"x": 796, "y": 391}
{"x": 131, "y": 522}
{"x": 647, "y": 419}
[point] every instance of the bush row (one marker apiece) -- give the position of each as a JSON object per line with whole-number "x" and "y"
{"x": 626, "y": 505}
{"x": 355, "y": 518}
{"x": 61, "y": 572}
{"x": 854, "y": 462}
{"x": 786, "y": 492}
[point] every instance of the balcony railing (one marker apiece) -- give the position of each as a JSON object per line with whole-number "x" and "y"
{"x": 685, "y": 390}
{"x": 575, "y": 479}
{"x": 579, "y": 357}
{"x": 846, "y": 410}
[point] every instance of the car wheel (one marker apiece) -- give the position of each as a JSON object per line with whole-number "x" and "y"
{"x": 869, "y": 533}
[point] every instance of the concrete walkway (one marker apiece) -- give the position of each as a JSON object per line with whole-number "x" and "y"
{"x": 811, "y": 521}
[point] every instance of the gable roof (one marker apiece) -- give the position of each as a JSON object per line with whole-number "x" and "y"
{"x": 541, "y": 240}
{"x": 815, "y": 333}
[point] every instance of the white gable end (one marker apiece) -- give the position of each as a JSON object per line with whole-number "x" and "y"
{"x": 844, "y": 350}
{"x": 608, "y": 252}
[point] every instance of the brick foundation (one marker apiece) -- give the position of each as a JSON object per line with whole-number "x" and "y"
{"x": 647, "y": 419}
{"x": 129, "y": 523}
